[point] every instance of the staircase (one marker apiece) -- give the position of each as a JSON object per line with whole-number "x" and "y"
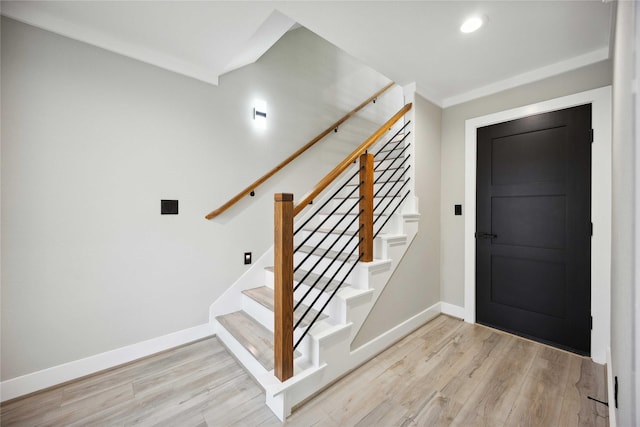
{"x": 333, "y": 291}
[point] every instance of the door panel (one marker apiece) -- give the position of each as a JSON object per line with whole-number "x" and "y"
{"x": 534, "y": 204}
{"x": 530, "y": 157}
{"x": 536, "y": 221}
{"x": 540, "y": 287}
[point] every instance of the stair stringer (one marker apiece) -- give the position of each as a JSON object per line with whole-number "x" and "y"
{"x": 330, "y": 345}
{"x": 326, "y": 350}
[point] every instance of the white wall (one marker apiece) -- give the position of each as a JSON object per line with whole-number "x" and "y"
{"x": 453, "y": 160}
{"x": 92, "y": 141}
{"x": 415, "y": 285}
{"x": 623, "y": 253}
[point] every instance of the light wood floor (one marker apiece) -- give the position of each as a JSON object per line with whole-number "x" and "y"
{"x": 445, "y": 373}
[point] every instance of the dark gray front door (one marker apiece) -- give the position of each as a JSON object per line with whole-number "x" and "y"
{"x": 533, "y": 223}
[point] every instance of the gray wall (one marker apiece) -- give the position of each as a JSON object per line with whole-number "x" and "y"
{"x": 623, "y": 253}
{"x": 92, "y": 141}
{"x": 452, "y": 156}
{"x": 415, "y": 285}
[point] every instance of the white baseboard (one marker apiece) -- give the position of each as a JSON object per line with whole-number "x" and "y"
{"x": 610, "y": 391}
{"x": 50, "y": 377}
{"x": 452, "y": 310}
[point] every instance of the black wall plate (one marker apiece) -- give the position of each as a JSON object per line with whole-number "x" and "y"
{"x": 168, "y": 207}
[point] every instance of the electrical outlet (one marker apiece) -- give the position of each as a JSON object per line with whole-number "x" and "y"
{"x": 247, "y": 258}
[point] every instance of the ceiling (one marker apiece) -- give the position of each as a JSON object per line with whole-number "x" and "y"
{"x": 408, "y": 41}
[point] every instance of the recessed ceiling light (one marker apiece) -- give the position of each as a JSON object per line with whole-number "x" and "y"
{"x": 471, "y": 24}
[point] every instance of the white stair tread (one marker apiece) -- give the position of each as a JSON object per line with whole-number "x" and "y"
{"x": 254, "y": 337}
{"x": 264, "y": 296}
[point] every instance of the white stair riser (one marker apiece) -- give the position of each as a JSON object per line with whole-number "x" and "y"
{"x": 333, "y": 221}
{"x": 269, "y": 278}
{"x": 380, "y": 189}
{"x": 379, "y": 172}
{"x": 332, "y": 309}
{"x": 238, "y": 350}
{"x": 350, "y": 202}
{"x": 390, "y": 162}
{"x": 322, "y": 263}
{"x": 318, "y": 238}
{"x": 396, "y": 152}
{"x": 393, "y": 225}
{"x": 341, "y": 222}
{"x": 394, "y": 147}
{"x": 262, "y": 314}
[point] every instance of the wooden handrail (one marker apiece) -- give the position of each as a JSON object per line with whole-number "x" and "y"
{"x": 292, "y": 157}
{"x": 331, "y": 176}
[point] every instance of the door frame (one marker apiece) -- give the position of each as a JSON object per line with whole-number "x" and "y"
{"x": 600, "y": 99}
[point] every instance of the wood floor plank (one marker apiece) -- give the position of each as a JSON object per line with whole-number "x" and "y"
{"x": 190, "y": 409}
{"x": 540, "y": 399}
{"x": 31, "y": 410}
{"x": 494, "y": 398}
{"x": 248, "y": 413}
{"x": 363, "y": 377}
{"x": 177, "y": 393}
{"x": 246, "y": 395}
{"x": 474, "y": 368}
{"x": 386, "y": 413}
{"x": 600, "y": 387}
{"x": 423, "y": 341}
{"x": 161, "y": 362}
{"x": 162, "y": 378}
{"x": 433, "y": 409}
{"x": 430, "y": 393}
{"x": 434, "y": 367}
{"x": 445, "y": 373}
{"x": 472, "y": 418}
{"x": 577, "y": 409}
{"x": 312, "y": 415}
{"x": 66, "y": 414}
{"x": 359, "y": 395}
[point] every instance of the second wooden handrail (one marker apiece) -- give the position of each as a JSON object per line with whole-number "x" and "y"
{"x": 331, "y": 176}
{"x": 292, "y": 157}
